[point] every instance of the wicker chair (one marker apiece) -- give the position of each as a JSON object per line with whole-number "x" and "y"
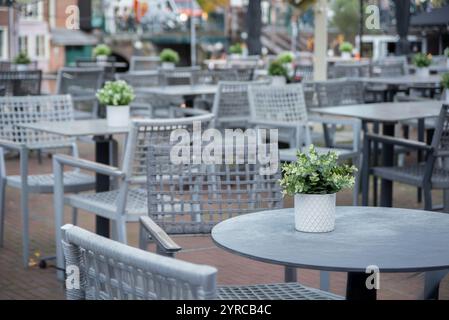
{"x": 138, "y": 64}
{"x": 82, "y": 84}
{"x": 339, "y": 92}
{"x": 21, "y": 83}
{"x": 146, "y": 104}
{"x": 284, "y": 108}
{"x": 109, "y": 66}
{"x": 110, "y": 270}
{"x": 129, "y": 200}
{"x": 19, "y": 110}
{"x": 350, "y": 70}
{"x": 428, "y": 175}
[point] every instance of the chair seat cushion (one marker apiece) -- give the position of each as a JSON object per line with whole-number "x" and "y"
{"x": 278, "y": 291}
{"x": 74, "y": 181}
{"x": 343, "y": 154}
{"x": 105, "y": 203}
{"x": 413, "y": 175}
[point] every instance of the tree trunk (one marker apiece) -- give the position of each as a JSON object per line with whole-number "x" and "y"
{"x": 254, "y": 27}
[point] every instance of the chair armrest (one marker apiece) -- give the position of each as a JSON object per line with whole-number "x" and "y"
{"x": 163, "y": 241}
{"x": 276, "y": 124}
{"x": 413, "y": 144}
{"x": 187, "y": 111}
{"x": 11, "y": 144}
{"x": 88, "y": 165}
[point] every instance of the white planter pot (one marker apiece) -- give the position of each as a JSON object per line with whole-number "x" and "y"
{"x": 346, "y": 55}
{"x": 102, "y": 60}
{"x": 168, "y": 65}
{"x": 278, "y": 80}
{"x": 422, "y": 72}
{"x": 21, "y": 67}
{"x": 117, "y": 116}
{"x": 315, "y": 212}
{"x": 289, "y": 68}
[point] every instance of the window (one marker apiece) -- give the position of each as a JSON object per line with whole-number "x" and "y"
{"x": 40, "y": 46}
{"x": 23, "y": 44}
{"x": 32, "y": 11}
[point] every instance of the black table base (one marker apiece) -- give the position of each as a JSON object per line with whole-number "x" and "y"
{"x": 356, "y": 288}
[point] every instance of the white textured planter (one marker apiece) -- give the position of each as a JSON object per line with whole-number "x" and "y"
{"x": 346, "y": 55}
{"x": 422, "y": 72}
{"x": 117, "y": 116}
{"x": 21, "y": 67}
{"x": 168, "y": 65}
{"x": 278, "y": 80}
{"x": 315, "y": 212}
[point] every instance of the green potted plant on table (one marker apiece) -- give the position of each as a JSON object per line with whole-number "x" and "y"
{"x": 116, "y": 96}
{"x": 445, "y": 85}
{"x": 22, "y": 61}
{"x": 169, "y": 58}
{"x": 102, "y": 52}
{"x": 446, "y": 53}
{"x": 278, "y": 73}
{"x": 236, "y": 50}
{"x": 346, "y": 50}
{"x": 422, "y": 62}
{"x": 314, "y": 179}
{"x": 287, "y": 58}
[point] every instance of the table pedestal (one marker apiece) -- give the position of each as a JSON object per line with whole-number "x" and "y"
{"x": 356, "y": 287}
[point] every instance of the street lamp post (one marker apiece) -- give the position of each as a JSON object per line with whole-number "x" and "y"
{"x": 192, "y": 35}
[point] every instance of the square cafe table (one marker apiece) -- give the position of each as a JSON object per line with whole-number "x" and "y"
{"x": 388, "y": 113}
{"x": 105, "y": 149}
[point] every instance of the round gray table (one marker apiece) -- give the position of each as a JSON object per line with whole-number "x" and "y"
{"x": 394, "y": 240}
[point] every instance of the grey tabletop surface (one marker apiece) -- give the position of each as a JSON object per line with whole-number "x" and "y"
{"x": 404, "y": 80}
{"x": 395, "y": 240}
{"x": 77, "y": 128}
{"x": 181, "y": 90}
{"x": 386, "y": 111}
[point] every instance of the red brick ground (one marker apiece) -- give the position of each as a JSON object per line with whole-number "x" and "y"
{"x": 33, "y": 283}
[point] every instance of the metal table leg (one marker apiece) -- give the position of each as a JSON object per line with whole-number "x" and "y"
{"x": 356, "y": 288}
{"x": 290, "y": 274}
{"x": 386, "y": 196}
{"x": 432, "y": 284}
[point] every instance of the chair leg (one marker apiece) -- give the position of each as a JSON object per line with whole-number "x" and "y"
{"x": 74, "y": 216}
{"x": 2, "y": 210}
{"x": 143, "y": 236}
{"x": 25, "y": 226}
{"x": 427, "y": 191}
{"x": 121, "y": 230}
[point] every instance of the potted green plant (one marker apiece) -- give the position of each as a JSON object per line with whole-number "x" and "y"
{"x": 314, "y": 179}
{"x": 422, "y": 62}
{"x": 236, "y": 50}
{"x": 346, "y": 49}
{"x": 287, "y": 58}
{"x": 116, "y": 96}
{"x": 445, "y": 85}
{"x": 169, "y": 58}
{"x": 446, "y": 53}
{"x": 22, "y": 61}
{"x": 278, "y": 73}
{"x": 102, "y": 52}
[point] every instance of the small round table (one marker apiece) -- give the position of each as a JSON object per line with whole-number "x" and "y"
{"x": 394, "y": 240}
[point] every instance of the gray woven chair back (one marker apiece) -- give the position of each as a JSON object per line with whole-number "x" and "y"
{"x": 180, "y": 76}
{"x": 278, "y": 104}
{"x": 225, "y": 75}
{"x": 112, "y": 270}
{"x": 144, "y": 63}
{"x": 231, "y": 102}
{"x": 141, "y": 78}
{"x": 145, "y": 133}
{"x": 109, "y": 69}
{"x": 351, "y": 70}
{"x": 339, "y": 92}
{"x": 80, "y": 83}
{"x": 390, "y": 67}
{"x": 440, "y": 140}
{"x": 6, "y": 66}
{"x": 191, "y": 197}
{"x": 305, "y": 72}
{"x": 31, "y": 109}
{"x": 245, "y": 74}
{"x": 21, "y": 83}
